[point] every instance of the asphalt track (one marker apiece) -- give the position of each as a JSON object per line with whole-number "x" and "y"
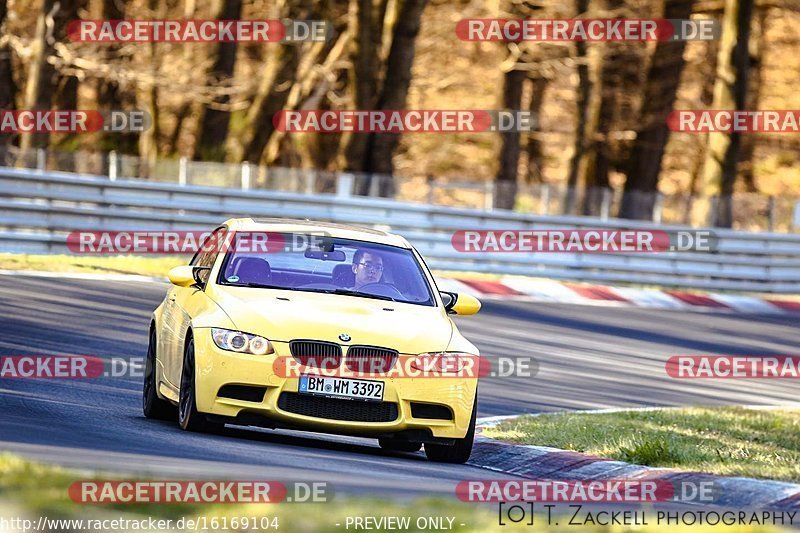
{"x": 587, "y": 357}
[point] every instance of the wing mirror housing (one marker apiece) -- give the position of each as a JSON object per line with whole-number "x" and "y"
{"x": 186, "y": 275}
{"x": 460, "y": 304}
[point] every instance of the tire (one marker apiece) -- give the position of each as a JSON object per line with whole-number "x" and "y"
{"x": 153, "y": 406}
{"x": 188, "y": 417}
{"x": 395, "y": 445}
{"x": 458, "y": 452}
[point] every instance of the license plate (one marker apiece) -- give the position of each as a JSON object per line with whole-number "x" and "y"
{"x": 351, "y": 389}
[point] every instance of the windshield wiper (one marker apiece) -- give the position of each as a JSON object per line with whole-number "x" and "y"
{"x": 351, "y": 292}
{"x": 255, "y": 285}
{"x": 347, "y": 292}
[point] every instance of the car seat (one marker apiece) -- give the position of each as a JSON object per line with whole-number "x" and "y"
{"x": 254, "y": 270}
{"x": 343, "y": 276}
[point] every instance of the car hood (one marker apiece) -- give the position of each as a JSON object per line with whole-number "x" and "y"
{"x": 283, "y": 315}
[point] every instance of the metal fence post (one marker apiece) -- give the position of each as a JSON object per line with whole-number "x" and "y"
{"x": 605, "y": 206}
{"x": 545, "y": 207}
{"x": 245, "y": 175}
{"x": 431, "y": 190}
{"x": 796, "y": 221}
{"x": 488, "y": 196}
{"x": 374, "y": 184}
{"x": 658, "y": 207}
{"x": 183, "y": 163}
{"x": 771, "y": 213}
{"x": 711, "y": 222}
{"x": 112, "y": 165}
{"x": 41, "y": 159}
{"x": 311, "y": 181}
{"x": 344, "y": 185}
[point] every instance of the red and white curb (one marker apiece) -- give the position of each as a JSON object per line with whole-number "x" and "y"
{"x": 540, "y": 290}
{"x": 546, "y": 290}
{"x": 543, "y": 462}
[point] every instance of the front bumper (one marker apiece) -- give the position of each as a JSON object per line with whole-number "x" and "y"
{"x": 217, "y": 368}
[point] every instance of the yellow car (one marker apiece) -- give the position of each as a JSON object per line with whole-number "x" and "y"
{"x": 326, "y": 328}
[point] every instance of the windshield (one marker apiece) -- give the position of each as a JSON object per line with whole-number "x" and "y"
{"x": 337, "y": 266}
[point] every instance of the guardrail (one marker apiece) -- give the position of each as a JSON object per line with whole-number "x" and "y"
{"x": 38, "y": 210}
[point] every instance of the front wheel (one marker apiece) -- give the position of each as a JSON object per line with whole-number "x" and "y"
{"x": 458, "y": 452}
{"x": 153, "y": 406}
{"x": 188, "y": 417}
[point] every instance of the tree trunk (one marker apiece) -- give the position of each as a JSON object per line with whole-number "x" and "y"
{"x": 708, "y": 68}
{"x": 66, "y": 92}
{"x": 730, "y": 90}
{"x": 214, "y": 124}
{"x": 663, "y": 76}
{"x": 8, "y": 89}
{"x": 110, "y": 95}
{"x": 395, "y": 90}
{"x": 273, "y": 92}
{"x": 366, "y": 18}
{"x": 66, "y": 96}
{"x": 753, "y": 99}
{"x": 42, "y": 79}
{"x": 611, "y": 89}
{"x": 534, "y": 145}
{"x": 506, "y": 179}
{"x": 582, "y": 118}
{"x": 148, "y": 139}
{"x": 271, "y": 98}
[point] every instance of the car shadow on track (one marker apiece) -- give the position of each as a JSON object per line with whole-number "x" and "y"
{"x": 295, "y": 439}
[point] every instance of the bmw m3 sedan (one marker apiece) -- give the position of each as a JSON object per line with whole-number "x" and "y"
{"x": 313, "y": 326}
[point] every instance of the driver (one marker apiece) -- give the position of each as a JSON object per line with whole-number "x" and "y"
{"x": 367, "y": 267}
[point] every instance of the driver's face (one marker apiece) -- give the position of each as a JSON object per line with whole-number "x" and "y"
{"x": 368, "y": 270}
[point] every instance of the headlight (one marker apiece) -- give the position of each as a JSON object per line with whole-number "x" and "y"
{"x": 448, "y": 363}
{"x": 236, "y": 341}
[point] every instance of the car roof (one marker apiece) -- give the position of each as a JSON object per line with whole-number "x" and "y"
{"x": 343, "y": 231}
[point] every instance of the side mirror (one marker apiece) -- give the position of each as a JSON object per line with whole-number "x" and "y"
{"x": 185, "y": 276}
{"x": 460, "y": 304}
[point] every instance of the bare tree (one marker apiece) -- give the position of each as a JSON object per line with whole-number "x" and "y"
{"x": 395, "y": 89}
{"x": 42, "y": 81}
{"x": 367, "y": 20}
{"x": 8, "y": 89}
{"x": 619, "y": 81}
{"x": 730, "y": 91}
{"x": 583, "y": 147}
{"x": 214, "y": 124}
{"x": 533, "y": 147}
{"x": 707, "y": 70}
{"x": 110, "y": 95}
{"x": 274, "y": 90}
{"x": 754, "y": 82}
{"x": 663, "y": 77}
{"x": 506, "y": 179}
{"x": 149, "y": 98}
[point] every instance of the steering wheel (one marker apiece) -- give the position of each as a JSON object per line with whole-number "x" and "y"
{"x": 381, "y": 290}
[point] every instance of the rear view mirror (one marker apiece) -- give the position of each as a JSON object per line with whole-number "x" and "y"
{"x": 337, "y": 255}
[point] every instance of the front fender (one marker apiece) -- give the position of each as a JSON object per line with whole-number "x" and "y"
{"x": 460, "y": 344}
{"x": 212, "y": 316}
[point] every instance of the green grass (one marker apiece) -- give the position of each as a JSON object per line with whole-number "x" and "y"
{"x": 30, "y": 490}
{"x": 729, "y": 441}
